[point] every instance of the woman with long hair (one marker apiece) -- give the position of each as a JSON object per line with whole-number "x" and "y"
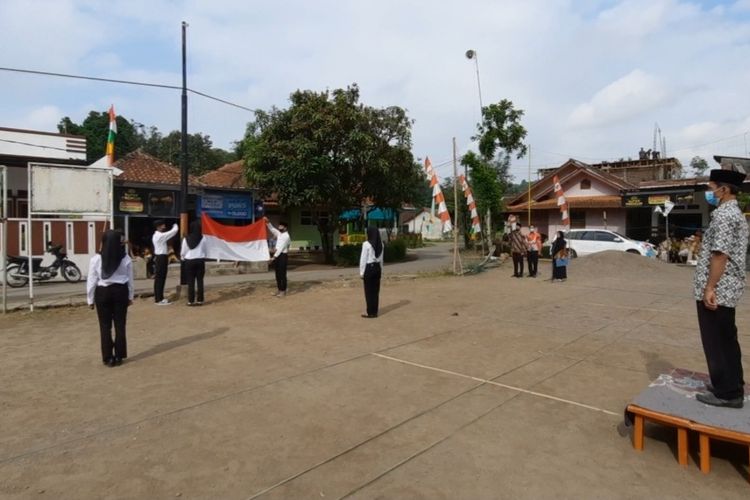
{"x": 559, "y": 254}
{"x": 109, "y": 288}
{"x": 193, "y": 253}
{"x": 371, "y": 270}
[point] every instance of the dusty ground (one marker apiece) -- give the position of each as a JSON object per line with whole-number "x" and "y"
{"x": 474, "y": 387}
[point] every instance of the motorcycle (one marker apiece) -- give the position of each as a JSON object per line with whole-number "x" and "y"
{"x": 17, "y": 268}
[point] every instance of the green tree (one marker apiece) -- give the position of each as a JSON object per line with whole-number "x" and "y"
{"x": 699, "y": 166}
{"x": 328, "y": 151}
{"x": 95, "y": 128}
{"x": 202, "y": 156}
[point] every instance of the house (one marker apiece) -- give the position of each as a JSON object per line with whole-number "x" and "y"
{"x": 423, "y": 222}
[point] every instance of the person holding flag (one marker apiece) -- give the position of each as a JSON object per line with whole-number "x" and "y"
{"x": 280, "y": 256}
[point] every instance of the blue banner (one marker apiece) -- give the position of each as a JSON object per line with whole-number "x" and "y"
{"x": 226, "y": 205}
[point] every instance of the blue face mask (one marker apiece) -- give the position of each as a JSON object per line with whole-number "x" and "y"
{"x": 711, "y": 199}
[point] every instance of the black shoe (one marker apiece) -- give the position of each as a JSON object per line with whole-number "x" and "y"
{"x": 106, "y": 361}
{"x": 111, "y": 362}
{"x": 118, "y": 361}
{"x": 709, "y": 398}
{"x": 370, "y": 316}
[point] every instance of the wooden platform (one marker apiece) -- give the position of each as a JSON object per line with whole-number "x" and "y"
{"x": 670, "y": 401}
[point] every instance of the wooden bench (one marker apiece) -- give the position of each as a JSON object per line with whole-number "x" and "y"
{"x": 705, "y": 434}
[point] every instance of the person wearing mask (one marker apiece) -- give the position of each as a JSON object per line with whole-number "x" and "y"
{"x": 718, "y": 285}
{"x": 280, "y": 257}
{"x": 160, "y": 239}
{"x": 559, "y": 252}
{"x": 534, "y": 241}
{"x": 193, "y": 253}
{"x": 109, "y": 289}
{"x": 371, "y": 270}
{"x": 518, "y": 248}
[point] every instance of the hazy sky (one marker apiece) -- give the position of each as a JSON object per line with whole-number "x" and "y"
{"x": 593, "y": 76}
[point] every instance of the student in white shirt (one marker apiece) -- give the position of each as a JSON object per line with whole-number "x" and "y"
{"x": 109, "y": 288}
{"x": 371, "y": 270}
{"x": 193, "y": 253}
{"x": 281, "y": 255}
{"x": 160, "y": 239}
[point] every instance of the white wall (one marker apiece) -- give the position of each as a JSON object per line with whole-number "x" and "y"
{"x": 616, "y": 220}
{"x": 598, "y": 188}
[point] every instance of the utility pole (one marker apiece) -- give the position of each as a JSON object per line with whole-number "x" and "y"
{"x": 184, "y": 152}
{"x": 528, "y": 183}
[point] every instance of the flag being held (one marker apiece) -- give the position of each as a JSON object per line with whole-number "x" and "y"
{"x": 236, "y": 243}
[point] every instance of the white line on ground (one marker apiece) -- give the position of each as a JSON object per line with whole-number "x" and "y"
{"x": 498, "y": 384}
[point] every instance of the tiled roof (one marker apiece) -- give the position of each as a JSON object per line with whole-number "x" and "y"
{"x": 229, "y": 176}
{"x": 142, "y": 168}
{"x": 608, "y": 201}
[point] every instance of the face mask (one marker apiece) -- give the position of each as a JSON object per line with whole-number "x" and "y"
{"x": 711, "y": 198}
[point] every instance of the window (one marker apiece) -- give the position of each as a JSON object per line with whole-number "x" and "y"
{"x": 586, "y": 184}
{"x": 69, "y": 238}
{"x": 588, "y": 236}
{"x": 578, "y": 219}
{"x": 47, "y": 230}
{"x": 311, "y": 218}
{"x": 92, "y": 238}
{"x": 602, "y": 236}
{"x": 22, "y": 238}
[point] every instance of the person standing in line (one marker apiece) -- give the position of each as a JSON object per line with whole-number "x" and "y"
{"x": 718, "y": 285}
{"x": 280, "y": 257}
{"x": 109, "y": 288}
{"x": 518, "y": 248}
{"x": 193, "y": 253}
{"x": 371, "y": 270}
{"x": 559, "y": 252}
{"x": 534, "y": 241}
{"x": 160, "y": 239}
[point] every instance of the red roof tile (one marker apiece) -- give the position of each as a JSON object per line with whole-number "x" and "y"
{"x": 230, "y": 176}
{"x": 142, "y": 168}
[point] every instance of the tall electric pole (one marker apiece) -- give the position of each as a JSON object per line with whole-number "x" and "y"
{"x": 184, "y": 149}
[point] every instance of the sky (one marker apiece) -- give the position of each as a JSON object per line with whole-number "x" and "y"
{"x": 592, "y": 76}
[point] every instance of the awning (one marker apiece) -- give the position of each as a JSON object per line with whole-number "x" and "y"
{"x": 350, "y": 215}
{"x": 381, "y": 214}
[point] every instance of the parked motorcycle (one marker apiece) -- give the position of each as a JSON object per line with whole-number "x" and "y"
{"x": 17, "y": 268}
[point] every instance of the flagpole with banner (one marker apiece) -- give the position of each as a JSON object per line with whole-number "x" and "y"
{"x": 110, "y": 154}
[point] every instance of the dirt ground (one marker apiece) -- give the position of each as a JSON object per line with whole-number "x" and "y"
{"x": 476, "y": 387}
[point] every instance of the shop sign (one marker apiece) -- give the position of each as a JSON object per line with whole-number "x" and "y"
{"x": 226, "y": 205}
{"x": 130, "y": 201}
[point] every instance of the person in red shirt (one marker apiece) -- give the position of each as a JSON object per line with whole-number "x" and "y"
{"x": 534, "y": 240}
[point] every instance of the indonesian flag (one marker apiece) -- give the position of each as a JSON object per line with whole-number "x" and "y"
{"x": 437, "y": 194}
{"x": 111, "y": 136}
{"x": 561, "y": 202}
{"x": 237, "y": 243}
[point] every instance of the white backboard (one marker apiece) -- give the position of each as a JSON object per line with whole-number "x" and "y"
{"x": 66, "y": 189}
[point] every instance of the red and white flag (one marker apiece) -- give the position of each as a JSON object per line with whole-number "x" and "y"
{"x": 476, "y": 227}
{"x": 561, "y": 202}
{"x": 238, "y": 243}
{"x": 437, "y": 194}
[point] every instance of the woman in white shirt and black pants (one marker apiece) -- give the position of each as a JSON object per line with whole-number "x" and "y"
{"x": 371, "y": 270}
{"x": 193, "y": 252}
{"x": 109, "y": 288}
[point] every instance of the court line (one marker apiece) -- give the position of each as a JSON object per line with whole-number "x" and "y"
{"x": 498, "y": 384}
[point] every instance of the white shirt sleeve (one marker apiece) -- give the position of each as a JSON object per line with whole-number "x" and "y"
{"x": 363, "y": 258}
{"x": 273, "y": 230}
{"x": 129, "y": 270}
{"x": 184, "y": 248}
{"x": 93, "y": 278}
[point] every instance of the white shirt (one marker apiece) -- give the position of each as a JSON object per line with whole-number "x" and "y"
{"x": 160, "y": 240}
{"x": 368, "y": 257}
{"x": 283, "y": 240}
{"x": 199, "y": 252}
{"x": 122, "y": 275}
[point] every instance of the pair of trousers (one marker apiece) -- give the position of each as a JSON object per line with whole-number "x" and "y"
{"x": 160, "y": 276}
{"x": 723, "y": 355}
{"x": 280, "y": 267}
{"x": 112, "y": 308}
{"x": 533, "y": 258}
{"x": 517, "y": 264}
{"x": 195, "y": 270}
{"x": 373, "y": 273}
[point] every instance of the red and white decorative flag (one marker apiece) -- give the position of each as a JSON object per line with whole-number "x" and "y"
{"x": 236, "y": 243}
{"x": 562, "y": 202}
{"x": 476, "y": 227}
{"x": 437, "y": 193}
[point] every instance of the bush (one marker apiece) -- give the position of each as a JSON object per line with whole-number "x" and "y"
{"x": 348, "y": 255}
{"x": 395, "y": 251}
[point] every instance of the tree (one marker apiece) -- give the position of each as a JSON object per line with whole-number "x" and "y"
{"x": 95, "y": 128}
{"x": 329, "y": 152}
{"x": 202, "y": 156}
{"x": 699, "y": 166}
{"x": 500, "y": 135}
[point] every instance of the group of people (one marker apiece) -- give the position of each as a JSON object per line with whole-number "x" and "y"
{"x": 680, "y": 251}
{"x": 109, "y": 286}
{"x": 529, "y": 246}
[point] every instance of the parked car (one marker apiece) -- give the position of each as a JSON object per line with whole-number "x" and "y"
{"x": 587, "y": 241}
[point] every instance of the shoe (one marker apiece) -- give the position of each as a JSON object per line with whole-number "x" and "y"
{"x": 118, "y": 361}
{"x": 369, "y": 316}
{"x": 111, "y": 362}
{"x": 709, "y": 398}
{"x": 199, "y": 303}
{"x": 281, "y": 295}
{"x": 164, "y": 302}
{"x": 105, "y": 362}
{"x": 190, "y": 304}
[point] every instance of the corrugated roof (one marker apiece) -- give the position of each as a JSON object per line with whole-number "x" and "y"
{"x": 142, "y": 168}
{"x": 608, "y": 201}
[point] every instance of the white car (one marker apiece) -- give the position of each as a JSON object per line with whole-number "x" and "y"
{"x": 587, "y": 241}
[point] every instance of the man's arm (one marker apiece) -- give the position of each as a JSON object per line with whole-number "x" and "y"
{"x": 716, "y": 267}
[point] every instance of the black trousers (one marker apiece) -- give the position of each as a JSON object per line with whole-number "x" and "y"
{"x": 280, "y": 266}
{"x": 559, "y": 272}
{"x": 112, "y": 308}
{"x": 195, "y": 270}
{"x": 517, "y": 264}
{"x": 160, "y": 276}
{"x": 533, "y": 258}
{"x": 373, "y": 273}
{"x": 723, "y": 355}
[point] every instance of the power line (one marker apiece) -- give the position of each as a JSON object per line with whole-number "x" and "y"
{"x": 34, "y": 145}
{"x": 124, "y": 82}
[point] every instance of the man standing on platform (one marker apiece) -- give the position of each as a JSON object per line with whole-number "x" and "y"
{"x": 161, "y": 259}
{"x": 718, "y": 285}
{"x": 280, "y": 256}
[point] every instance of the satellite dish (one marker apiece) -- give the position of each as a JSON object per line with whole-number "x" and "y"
{"x": 470, "y": 54}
